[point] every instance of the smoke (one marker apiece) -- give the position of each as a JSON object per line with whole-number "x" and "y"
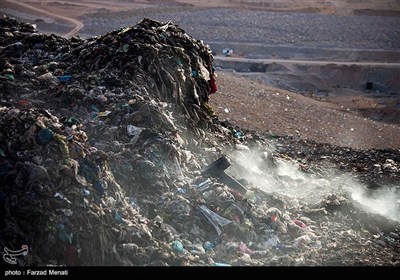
{"x": 286, "y": 178}
{"x": 385, "y": 202}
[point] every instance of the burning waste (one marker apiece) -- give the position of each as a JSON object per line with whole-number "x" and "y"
{"x": 111, "y": 155}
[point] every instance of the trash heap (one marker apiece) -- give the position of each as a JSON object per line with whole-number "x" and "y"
{"x": 111, "y": 155}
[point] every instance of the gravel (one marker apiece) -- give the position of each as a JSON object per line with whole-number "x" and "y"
{"x": 223, "y": 24}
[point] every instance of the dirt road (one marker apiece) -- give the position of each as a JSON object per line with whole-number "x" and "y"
{"x": 78, "y": 25}
{"x": 306, "y": 62}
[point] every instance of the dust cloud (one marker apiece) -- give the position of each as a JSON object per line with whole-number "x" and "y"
{"x": 286, "y": 178}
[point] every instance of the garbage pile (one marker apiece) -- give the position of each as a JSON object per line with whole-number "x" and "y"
{"x": 111, "y": 155}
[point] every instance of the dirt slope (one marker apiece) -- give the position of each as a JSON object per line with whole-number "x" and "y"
{"x": 255, "y": 106}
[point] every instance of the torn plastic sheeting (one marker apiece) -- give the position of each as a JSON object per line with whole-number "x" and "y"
{"x": 272, "y": 242}
{"x": 215, "y": 219}
{"x": 62, "y": 197}
{"x": 134, "y": 132}
{"x": 244, "y": 249}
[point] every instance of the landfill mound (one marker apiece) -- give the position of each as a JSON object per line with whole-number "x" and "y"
{"x": 111, "y": 155}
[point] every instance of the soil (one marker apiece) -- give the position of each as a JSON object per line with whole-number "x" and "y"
{"x": 344, "y": 121}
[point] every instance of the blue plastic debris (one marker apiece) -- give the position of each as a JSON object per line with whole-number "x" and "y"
{"x": 44, "y": 136}
{"x": 177, "y": 246}
{"x": 64, "y": 78}
{"x": 99, "y": 187}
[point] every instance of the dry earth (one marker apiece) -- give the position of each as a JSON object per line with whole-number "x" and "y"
{"x": 256, "y": 106}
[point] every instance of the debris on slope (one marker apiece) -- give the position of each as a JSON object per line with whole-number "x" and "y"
{"x": 103, "y": 147}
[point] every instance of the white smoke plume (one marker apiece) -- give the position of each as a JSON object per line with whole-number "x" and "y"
{"x": 284, "y": 177}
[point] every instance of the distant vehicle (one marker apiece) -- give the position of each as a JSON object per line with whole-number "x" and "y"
{"x": 227, "y": 52}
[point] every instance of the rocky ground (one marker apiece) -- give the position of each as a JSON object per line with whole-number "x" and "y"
{"x": 238, "y": 25}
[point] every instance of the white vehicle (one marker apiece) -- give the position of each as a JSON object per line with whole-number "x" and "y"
{"x": 227, "y": 52}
